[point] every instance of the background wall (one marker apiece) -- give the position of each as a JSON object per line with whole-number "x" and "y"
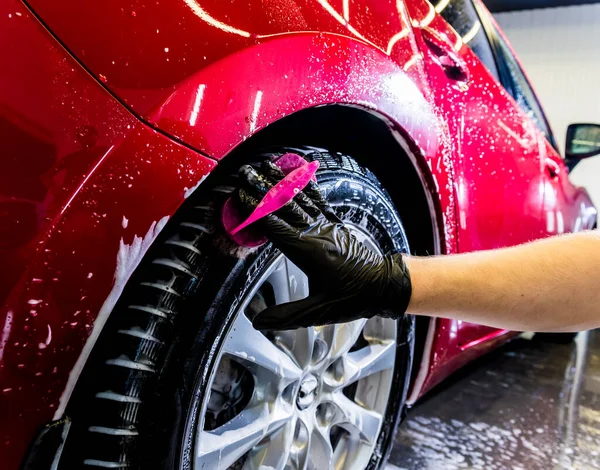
{"x": 560, "y": 51}
{"x": 510, "y": 5}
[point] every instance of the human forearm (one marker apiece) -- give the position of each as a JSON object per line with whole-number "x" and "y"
{"x": 550, "y": 285}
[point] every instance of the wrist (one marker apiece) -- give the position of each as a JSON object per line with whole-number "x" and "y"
{"x": 430, "y": 287}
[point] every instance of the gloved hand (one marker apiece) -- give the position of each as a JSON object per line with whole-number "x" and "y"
{"x": 347, "y": 280}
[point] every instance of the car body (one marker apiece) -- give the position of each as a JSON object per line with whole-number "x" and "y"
{"x": 111, "y": 113}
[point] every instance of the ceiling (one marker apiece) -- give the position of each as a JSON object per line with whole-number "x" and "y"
{"x": 508, "y": 5}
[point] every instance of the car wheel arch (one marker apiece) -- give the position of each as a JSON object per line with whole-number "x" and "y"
{"x": 398, "y": 164}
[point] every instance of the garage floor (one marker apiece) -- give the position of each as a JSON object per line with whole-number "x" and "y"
{"x": 529, "y": 405}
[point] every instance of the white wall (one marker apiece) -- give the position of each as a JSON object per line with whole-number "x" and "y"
{"x": 560, "y": 50}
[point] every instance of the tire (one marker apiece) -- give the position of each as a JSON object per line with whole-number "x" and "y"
{"x": 164, "y": 364}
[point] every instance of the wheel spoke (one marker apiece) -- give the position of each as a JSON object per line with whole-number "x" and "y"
{"x": 220, "y": 448}
{"x": 289, "y": 283}
{"x": 298, "y": 344}
{"x": 320, "y": 452}
{"x": 345, "y": 336}
{"x": 368, "y": 361}
{"x": 298, "y": 281}
{"x": 253, "y": 348}
{"x": 274, "y": 452}
{"x": 356, "y": 419}
{"x": 346, "y": 451}
{"x": 279, "y": 282}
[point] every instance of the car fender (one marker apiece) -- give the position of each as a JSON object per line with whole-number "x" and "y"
{"x": 222, "y": 105}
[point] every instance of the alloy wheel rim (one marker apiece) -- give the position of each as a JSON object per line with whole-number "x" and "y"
{"x": 315, "y": 397}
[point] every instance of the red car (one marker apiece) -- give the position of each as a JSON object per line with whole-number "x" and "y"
{"x": 125, "y": 341}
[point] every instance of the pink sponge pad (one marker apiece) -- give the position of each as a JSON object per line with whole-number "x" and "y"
{"x": 298, "y": 174}
{"x": 231, "y": 218}
{"x": 288, "y": 162}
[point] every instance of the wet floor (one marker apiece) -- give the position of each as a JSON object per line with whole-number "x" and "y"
{"x": 527, "y": 406}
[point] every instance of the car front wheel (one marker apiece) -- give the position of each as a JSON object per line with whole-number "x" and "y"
{"x": 197, "y": 387}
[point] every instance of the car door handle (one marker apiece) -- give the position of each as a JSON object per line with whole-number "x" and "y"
{"x": 445, "y": 56}
{"x": 554, "y": 168}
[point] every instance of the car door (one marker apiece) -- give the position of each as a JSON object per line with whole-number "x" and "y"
{"x": 565, "y": 207}
{"x": 497, "y": 159}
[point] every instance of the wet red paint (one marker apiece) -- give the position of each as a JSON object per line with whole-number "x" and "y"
{"x": 75, "y": 164}
{"x": 81, "y": 171}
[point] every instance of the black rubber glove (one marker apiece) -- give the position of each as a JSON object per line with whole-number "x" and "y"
{"x": 347, "y": 280}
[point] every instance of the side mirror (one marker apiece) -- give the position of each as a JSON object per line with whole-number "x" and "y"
{"x": 583, "y": 141}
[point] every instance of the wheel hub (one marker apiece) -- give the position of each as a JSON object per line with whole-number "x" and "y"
{"x": 307, "y": 393}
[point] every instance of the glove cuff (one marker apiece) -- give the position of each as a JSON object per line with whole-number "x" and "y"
{"x": 400, "y": 286}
